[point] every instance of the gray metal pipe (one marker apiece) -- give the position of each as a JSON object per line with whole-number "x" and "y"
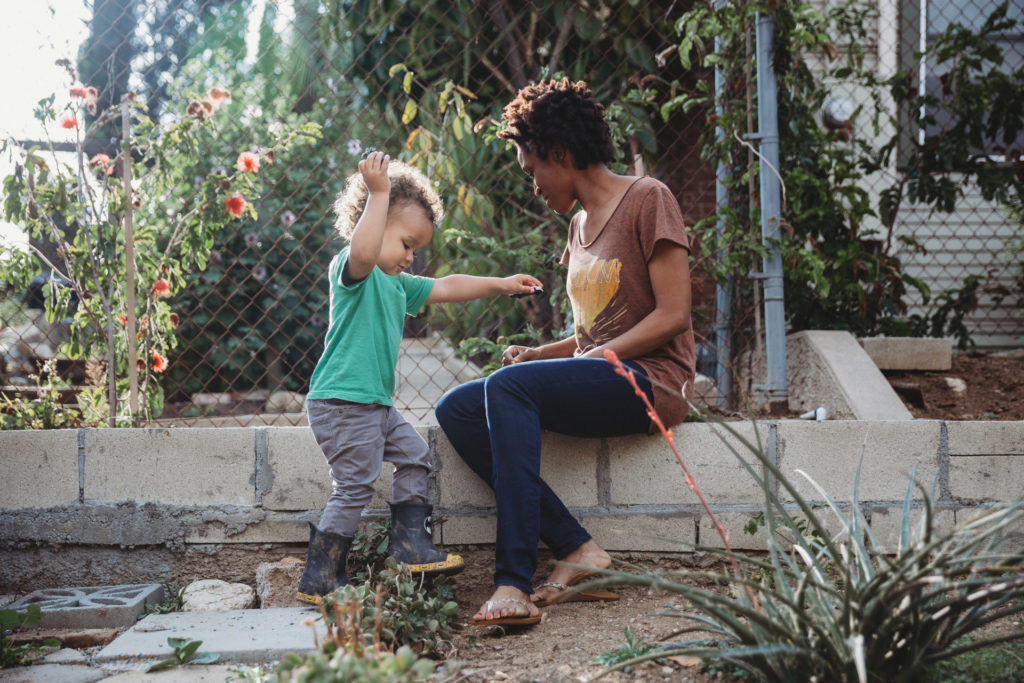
{"x": 723, "y": 293}
{"x": 775, "y": 386}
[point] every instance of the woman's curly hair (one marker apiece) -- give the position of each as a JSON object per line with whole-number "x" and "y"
{"x": 408, "y": 186}
{"x": 559, "y": 113}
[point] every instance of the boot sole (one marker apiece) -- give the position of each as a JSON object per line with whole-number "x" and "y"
{"x": 452, "y": 565}
{"x": 308, "y": 599}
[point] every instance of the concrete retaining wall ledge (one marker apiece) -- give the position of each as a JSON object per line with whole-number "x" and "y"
{"x": 97, "y": 506}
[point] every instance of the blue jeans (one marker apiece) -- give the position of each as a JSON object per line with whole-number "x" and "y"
{"x": 495, "y": 425}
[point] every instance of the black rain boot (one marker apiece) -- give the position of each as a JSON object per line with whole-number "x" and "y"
{"x": 411, "y": 542}
{"x": 325, "y": 565}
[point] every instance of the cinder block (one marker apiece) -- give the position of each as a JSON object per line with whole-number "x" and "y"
{"x": 887, "y": 524}
{"x": 171, "y": 466}
{"x": 735, "y": 523}
{"x": 265, "y": 531}
{"x": 467, "y": 530}
{"x": 986, "y": 477}
{"x": 643, "y": 470}
{"x": 909, "y": 353}
{"x": 830, "y": 452}
{"x": 829, "y": 368}
{"x": 568, "y": 465}
{"x": 643, "y": 532}
{"x": 993, "y": 437}
{"x": 92, "y": 606}
{"x": 300, "y": 478}
{"x": 40, "y": 468}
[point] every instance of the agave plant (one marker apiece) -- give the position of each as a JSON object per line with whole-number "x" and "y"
{"x": 839, "y": 607}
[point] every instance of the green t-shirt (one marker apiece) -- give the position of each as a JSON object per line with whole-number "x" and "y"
{"x": 365, "y": 329}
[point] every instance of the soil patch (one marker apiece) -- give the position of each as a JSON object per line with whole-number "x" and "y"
{"x": 977, "y": 387}
{"x": 564, "y": 645}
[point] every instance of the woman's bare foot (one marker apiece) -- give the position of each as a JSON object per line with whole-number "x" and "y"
{"x": 590, "y": 554}
{"x": 507, "y": 602}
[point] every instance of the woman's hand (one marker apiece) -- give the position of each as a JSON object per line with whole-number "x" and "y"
{"x": 518, "y": 354}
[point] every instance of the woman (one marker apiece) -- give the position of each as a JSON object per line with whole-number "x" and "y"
{"x": 629, "y": 284}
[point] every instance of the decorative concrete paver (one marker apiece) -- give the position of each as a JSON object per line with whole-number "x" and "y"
{"x": 92, "y": 606}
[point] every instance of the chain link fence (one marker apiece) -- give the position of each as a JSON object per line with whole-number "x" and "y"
{"x": 425, "y": 81}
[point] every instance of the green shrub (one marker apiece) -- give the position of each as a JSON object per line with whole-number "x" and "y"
{"x": 843, "y": 606}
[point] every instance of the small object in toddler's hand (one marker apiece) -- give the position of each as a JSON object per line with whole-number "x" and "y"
{"x": 368, "y": 152}
{"x": 536, "y": 290}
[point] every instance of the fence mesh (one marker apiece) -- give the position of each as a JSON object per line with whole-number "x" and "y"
{"x": 374, "y": 73}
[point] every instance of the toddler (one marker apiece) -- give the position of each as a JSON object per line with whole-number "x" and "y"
{"x": 388, "y": 212}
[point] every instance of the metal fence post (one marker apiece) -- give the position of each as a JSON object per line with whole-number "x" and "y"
{"x": 771, "y": 209}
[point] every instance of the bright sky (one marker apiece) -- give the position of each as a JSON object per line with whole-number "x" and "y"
{"x": 33, "y": 35}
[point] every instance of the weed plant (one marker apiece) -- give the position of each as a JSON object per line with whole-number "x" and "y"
{"x": 843, "y": 606}
{"x": 373, "y": 635}
{"x": 383, "y": 628}
{"x": 12, "y": 654}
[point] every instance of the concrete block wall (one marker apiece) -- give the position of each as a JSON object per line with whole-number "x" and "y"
{"x": 76, "y": 503}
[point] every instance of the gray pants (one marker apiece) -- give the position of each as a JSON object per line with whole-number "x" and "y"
{"x": 356, "y": 439}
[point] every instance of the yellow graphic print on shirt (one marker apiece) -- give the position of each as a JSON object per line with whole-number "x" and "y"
{"x": 591, "y": 288}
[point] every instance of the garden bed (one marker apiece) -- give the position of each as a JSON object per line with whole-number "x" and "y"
{"x": 993, "y": 388}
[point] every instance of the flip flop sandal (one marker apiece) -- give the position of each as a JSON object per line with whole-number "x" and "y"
{"x": 595, "y": 595}
{"x": 519, "y": 619}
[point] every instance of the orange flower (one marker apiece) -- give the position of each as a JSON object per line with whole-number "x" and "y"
{"x": 218, "y": 96}
{"x": 104, "y": 161}
{"x": 79, "y": 92}
{"x": 69, "y": 122}
{"x": 235, "y": 205}
{"x": 122, "y": 318}
{"x": 248, "y": 162}
{"x": 161, "y": 288}
{"x": 159, "y": 362}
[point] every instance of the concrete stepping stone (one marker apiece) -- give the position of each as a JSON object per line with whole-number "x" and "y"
{"x": 92, "y": 606}
{"x": 48, "y": 673}
{"x": 252, "y": 636}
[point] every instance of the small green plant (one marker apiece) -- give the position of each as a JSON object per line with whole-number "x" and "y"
{"x": 993, "y": 665}
{"x": 184, "y": 654}
{"x": 369, "y": 552}
{"x": 175, "y": 601}
{"x": 399, "y": 609}
{"x": 625, "y": 654}
{"x": 10, "y": 620}
{"x": 45, "y": 411}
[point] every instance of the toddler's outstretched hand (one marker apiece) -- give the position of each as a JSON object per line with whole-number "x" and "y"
{"x": 374, "y": 169}
{"x": 522, "y": 285}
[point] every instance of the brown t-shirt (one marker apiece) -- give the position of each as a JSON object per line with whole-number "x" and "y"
{"x": 609, "y": 286}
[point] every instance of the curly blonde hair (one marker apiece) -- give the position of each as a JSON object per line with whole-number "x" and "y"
{"x": 408, "y": 186}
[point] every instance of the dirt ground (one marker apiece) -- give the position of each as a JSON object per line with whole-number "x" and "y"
{"x": 563, "y": 646}
{"x": 992, "y": 389}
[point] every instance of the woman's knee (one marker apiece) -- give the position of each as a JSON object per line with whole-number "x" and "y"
{"x": 458, "y": 403}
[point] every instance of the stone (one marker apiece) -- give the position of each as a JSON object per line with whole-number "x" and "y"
{"x": 65, "y": 656}
{"x": 277, "y": 582}
{"x": 77, "y": 638}
{"x": 210, "y": 399}
{"x": 214, "y": 595}
{"x": 285, "y": 402}
{"x": 47, "y": 673}
{"x": 956, "y": 385}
